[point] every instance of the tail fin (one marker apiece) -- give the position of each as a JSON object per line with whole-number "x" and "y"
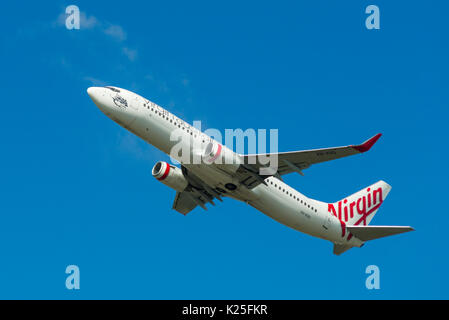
{"x": 358, "y": 210}
{"x": 360, "y": 207}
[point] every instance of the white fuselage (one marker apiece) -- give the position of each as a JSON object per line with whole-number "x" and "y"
{"x": 275, "y": 199}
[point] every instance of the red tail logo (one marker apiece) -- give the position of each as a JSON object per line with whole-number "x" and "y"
{"x": 363, "y": 207}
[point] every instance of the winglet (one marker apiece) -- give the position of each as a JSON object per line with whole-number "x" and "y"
{"x": 364, "y": 147}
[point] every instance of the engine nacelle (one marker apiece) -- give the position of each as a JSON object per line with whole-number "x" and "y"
{"x": 217, "y": 154}
{"x": 170, "y": 176}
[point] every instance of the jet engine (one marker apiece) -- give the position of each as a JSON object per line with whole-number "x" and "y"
{"x": 217, "y": 154}
{"x": 170, "y": 176}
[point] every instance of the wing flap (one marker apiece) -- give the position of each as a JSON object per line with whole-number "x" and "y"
{"x": 183, "y": 203}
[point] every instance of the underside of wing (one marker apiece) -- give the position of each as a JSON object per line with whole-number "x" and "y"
{"x": 250, "y": 177}
{"x": 183, "y": 203}
{"x": 296, "y": 161}
{"x": 198, "y": 193}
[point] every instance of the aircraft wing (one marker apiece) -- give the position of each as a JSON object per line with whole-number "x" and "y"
{"x": 197, "y": 194}
{"x": 184, "y": 203}
{"x": 296, "y": 161}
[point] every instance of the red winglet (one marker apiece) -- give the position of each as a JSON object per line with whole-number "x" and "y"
{"x": 364, "y": 147}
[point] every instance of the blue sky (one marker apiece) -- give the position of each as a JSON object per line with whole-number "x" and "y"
{"x": 77, "y": 189}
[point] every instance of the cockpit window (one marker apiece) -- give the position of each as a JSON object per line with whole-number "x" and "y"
{"x": 113, "y": 89}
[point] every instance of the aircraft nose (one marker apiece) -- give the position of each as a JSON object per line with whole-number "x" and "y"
{"x": 98, "y": 97}
{"x": 93, "y": 92}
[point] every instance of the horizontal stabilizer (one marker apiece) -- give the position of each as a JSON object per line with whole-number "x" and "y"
{"x": 366, "y": 233}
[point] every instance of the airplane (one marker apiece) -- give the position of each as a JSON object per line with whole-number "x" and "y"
{"x": 224, "y": 173}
